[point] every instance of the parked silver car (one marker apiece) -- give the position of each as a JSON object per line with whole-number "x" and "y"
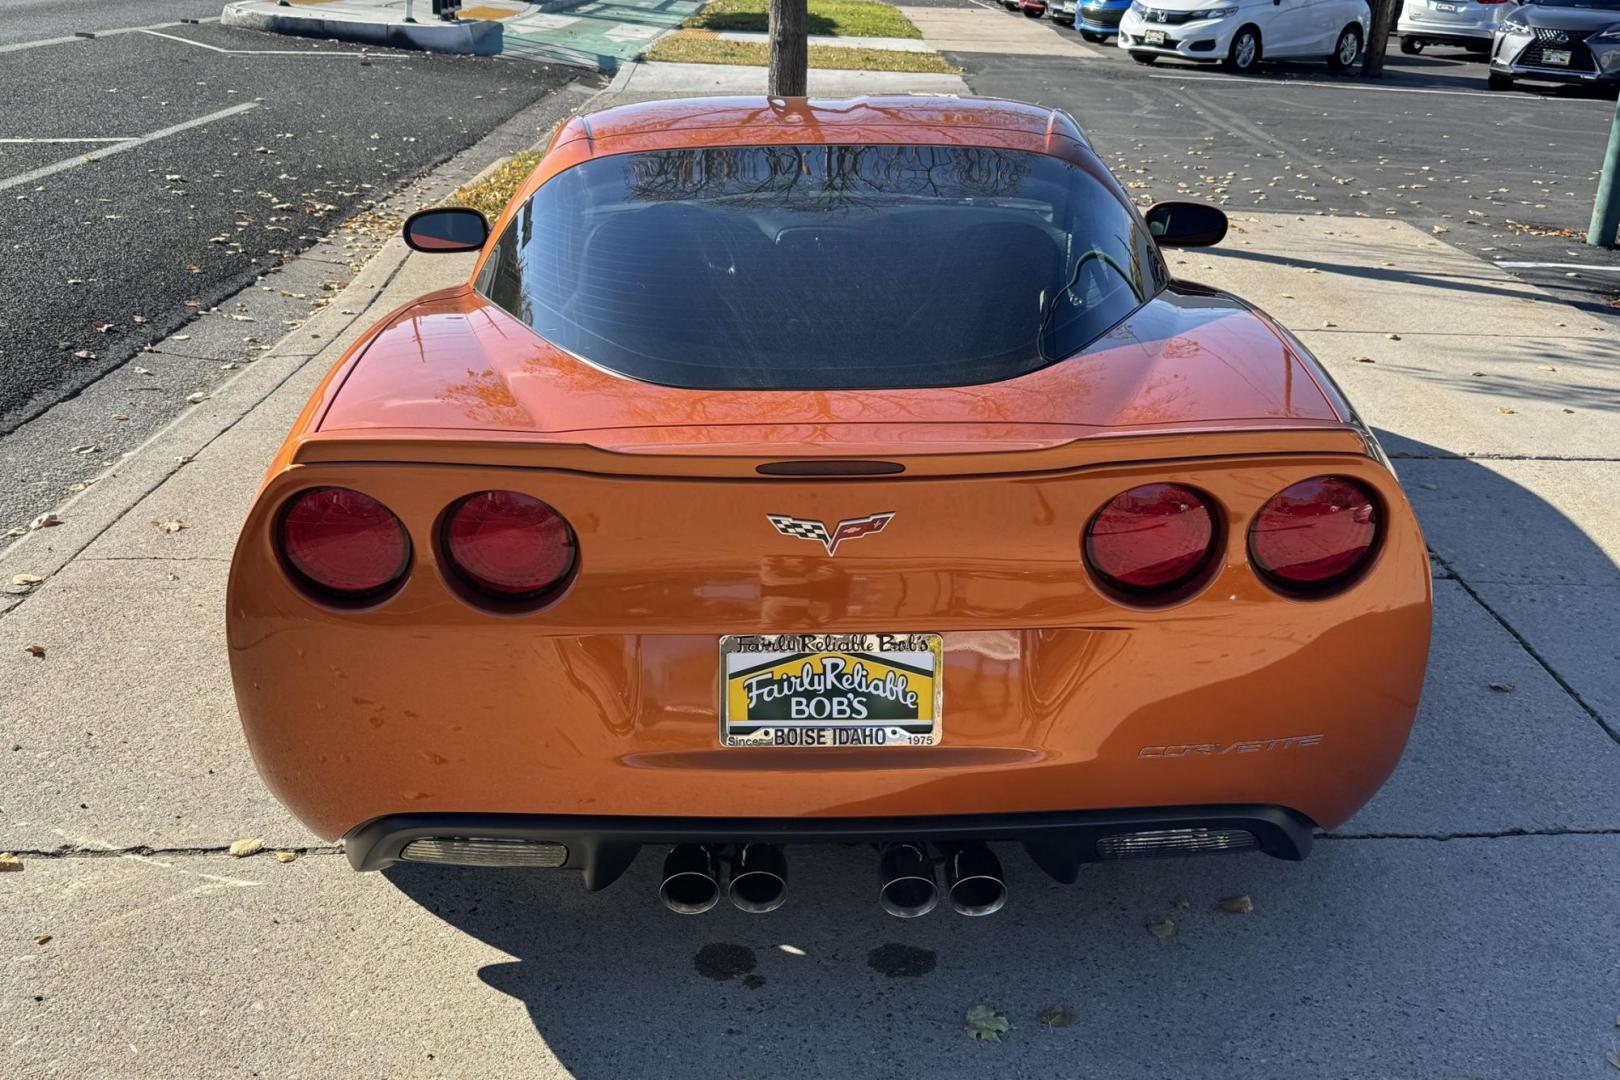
{"x": 1470, "y": 24}
{"x": 1568, "y": 41}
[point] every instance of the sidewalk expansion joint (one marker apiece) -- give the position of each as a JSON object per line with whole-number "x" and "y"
{"x": 1496, "y": 834}
{"x": 1530, "y": 650}
{"x": 148, "y": 851}
{"x": 1573, "y": 458}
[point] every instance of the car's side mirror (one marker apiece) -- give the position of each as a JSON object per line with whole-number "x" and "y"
{"x": 1185, "y": 224}
{"x": 440, "y": 230}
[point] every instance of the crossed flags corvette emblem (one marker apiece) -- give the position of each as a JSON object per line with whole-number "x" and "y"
{"x": 851, "y": 529}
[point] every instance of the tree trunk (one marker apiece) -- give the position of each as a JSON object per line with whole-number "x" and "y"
{"x": 790, "y": 48}
{"x": 1383, "y": 17}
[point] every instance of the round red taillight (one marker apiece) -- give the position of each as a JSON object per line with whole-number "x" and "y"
{"x": 344, "y": 542}
{"x": 507, "y": 544}
{"x": 1150, "y": 539}
{"x": 1316, "y": 534}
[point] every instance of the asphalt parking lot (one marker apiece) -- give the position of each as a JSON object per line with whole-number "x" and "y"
{"x": 198, "y": 159}
{"x": 1507, "y": 175}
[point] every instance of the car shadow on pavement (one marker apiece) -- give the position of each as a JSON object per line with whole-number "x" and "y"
{"x": 1380, "y": 942}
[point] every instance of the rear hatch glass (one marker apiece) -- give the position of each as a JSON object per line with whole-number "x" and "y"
{"x": 823, "y": 267}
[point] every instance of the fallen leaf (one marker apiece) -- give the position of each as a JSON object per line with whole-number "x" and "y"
{"x": 1164, "y": 929}
{"x": 1393, "y": 337}
{"x": 119, "y": 416}
{"x": 1365, "y": 360}
{"x": 42, "y": 939}
{"x": 173, "y": 525}
{"x": 44, "y": 521}
{"x": 28, "y": 581}
{"x": 138, "y": 319}
{"x": 1055, "y": 1016}
{"x": 1237, "y": 905}
{"x": 8, "y": 861}
{"x": 241, "y": 849}
{"x": 985, "y": 1024}
{"x": 286, "y": 856}
{"x": 1501, "y": 687}
{"x": 198, "y": 398}
{"x": 1613, "y": 1058}
{"x": 101, "y": 326}
{"x": 36, "y": 651}
{"x": 85, "y": 354}
{"x": 1506, "y": 410}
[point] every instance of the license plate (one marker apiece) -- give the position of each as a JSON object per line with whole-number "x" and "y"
{"x": 1556, "y": 57}
{"x": 830, "y": 690}
{"x": 1153, "y": 37}
{"x": 1449, "y": 9}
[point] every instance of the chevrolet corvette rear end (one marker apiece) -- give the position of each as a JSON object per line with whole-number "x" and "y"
{"x": 826, "y": 471}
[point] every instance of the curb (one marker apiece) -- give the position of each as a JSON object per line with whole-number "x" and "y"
{"x": 87, "y": 515}
{"x": 473, "y": 38}
{"x": 44, "y": 552}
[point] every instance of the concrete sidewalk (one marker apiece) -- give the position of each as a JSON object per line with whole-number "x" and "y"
{"x": 1461, "y": 925}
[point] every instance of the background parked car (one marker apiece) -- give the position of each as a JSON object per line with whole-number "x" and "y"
{"x": 1099, "y": 19}
{"x": 1468, "y": 23}
{"x": 1032, "y": 8}
{"x": 1240, "y": 33}
{"x": 1063, "y": 12}
{"x": 1568, "y": 41}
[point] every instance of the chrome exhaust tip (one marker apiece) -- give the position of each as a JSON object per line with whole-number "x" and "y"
{"x": 691, "y": 883}
{"x": 973, "y": 880}
{"x": 907, "y": 874}
{"x": 759, "y": 878}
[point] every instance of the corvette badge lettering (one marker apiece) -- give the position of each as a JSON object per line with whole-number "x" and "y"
{"x": 851, "y": 529}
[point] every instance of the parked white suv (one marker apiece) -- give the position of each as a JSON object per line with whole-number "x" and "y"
{"x": 1470, "y": 24}
{"x": 1241, "y": 33}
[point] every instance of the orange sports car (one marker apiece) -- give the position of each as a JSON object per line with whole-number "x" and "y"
{"x": 826, "y": 471}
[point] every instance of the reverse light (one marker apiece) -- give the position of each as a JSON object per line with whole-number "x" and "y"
{"x": 343, "y": 543}
{"x": 1316, "y": 535}
{"x": 1152, "y": 539}
{"x": 508, "y": 545}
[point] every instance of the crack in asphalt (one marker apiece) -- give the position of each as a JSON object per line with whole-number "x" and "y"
{"x": 1530, "y": 650}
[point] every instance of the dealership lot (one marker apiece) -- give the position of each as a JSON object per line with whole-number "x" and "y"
{"x": 1460, "y": 926}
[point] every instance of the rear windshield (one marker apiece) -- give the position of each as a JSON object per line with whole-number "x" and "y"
{"x": 823, "y": 267}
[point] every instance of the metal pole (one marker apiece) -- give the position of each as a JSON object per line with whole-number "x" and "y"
{"x": 1606, "y": 210}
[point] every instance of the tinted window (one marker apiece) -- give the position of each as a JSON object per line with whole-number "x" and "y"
{"x": 796, "y": 267}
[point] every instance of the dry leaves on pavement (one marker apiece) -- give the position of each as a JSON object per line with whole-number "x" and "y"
{"x": 241, "y": 849}
{"x": 1237, "y": 905}
{"x": 985, "y": 1024}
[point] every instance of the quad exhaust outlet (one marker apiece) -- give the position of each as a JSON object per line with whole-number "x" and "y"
{"x": 691, "y": 882}
{"x": 907, "y": 873}
{"x": 759, "y": 878}
{"x": 909, "y": 884}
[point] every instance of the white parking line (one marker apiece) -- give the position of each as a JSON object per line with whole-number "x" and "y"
{"x": 278, "y": 52}
{"x": 21, "y": 45}
{"x": 120, "y": 147}
{"x": 1557, "y": 266}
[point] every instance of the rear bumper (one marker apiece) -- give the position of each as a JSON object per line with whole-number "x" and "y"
{"x": 603, "y": 847}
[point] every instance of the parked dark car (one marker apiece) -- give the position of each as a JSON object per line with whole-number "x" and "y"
{"x": 1566, "y": 41}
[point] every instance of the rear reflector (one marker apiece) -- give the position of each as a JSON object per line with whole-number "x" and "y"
{"x": 1315, "y": 535}
{"x": 1151, "y": 539}
{"x": 1161, "y": 842}
{"x": 344, "y": 542}
{"x": 485, "y": 851}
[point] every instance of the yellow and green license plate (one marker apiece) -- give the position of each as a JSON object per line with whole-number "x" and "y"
{"x": 836, "y": 690}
